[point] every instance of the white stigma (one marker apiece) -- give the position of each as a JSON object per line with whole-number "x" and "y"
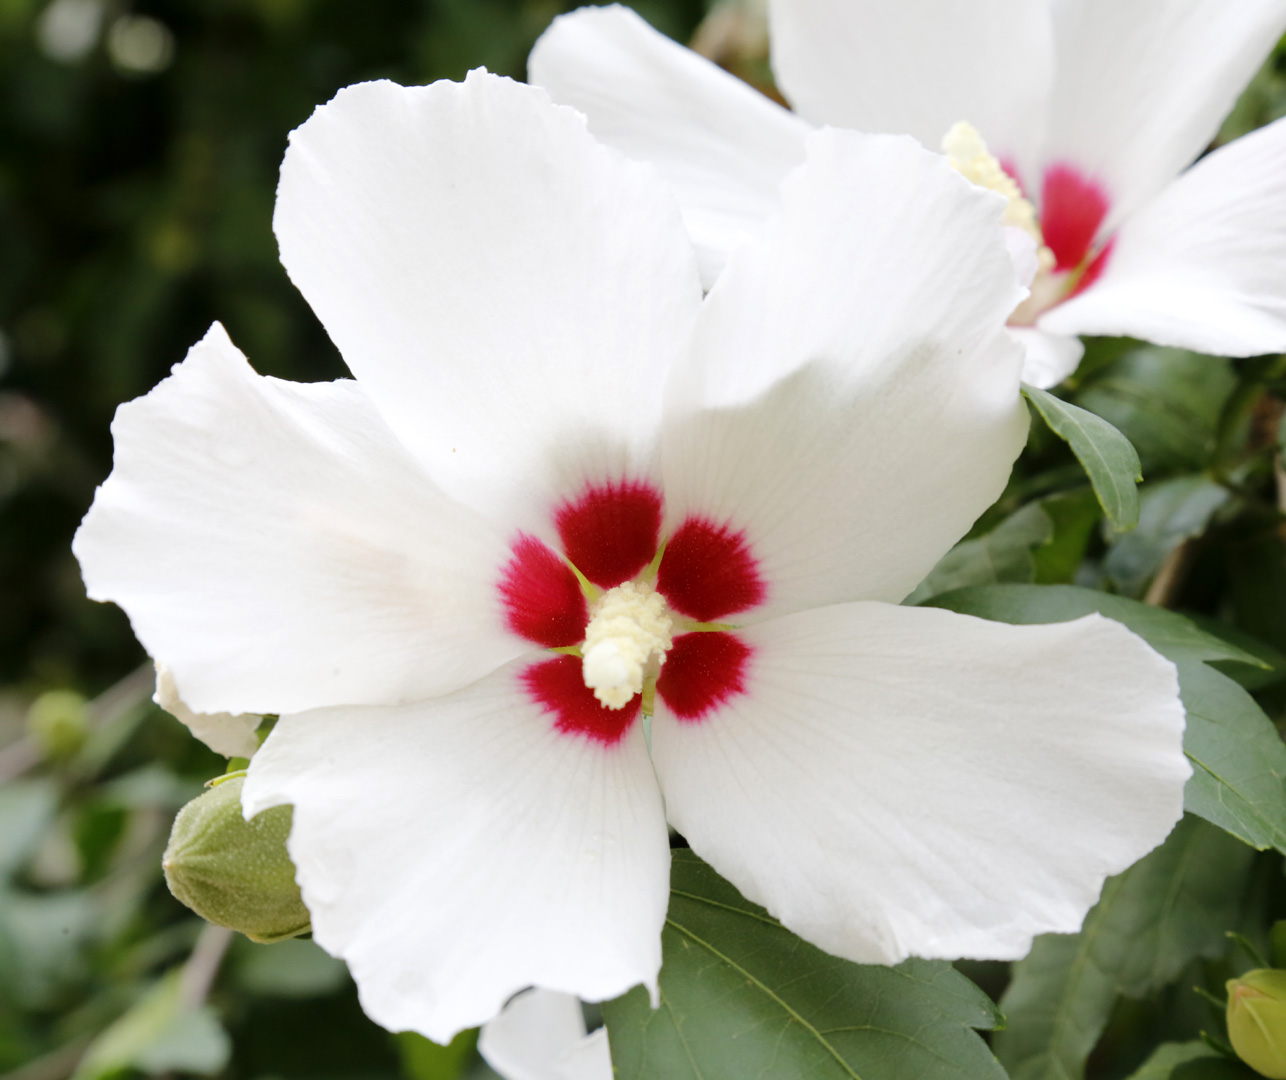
{"x": 970, "y": 157}
{"x": 629, "y": 627}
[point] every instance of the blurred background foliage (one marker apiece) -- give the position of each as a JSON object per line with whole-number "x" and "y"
{"x": 139, "y": 146}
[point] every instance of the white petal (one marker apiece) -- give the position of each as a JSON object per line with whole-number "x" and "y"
{"x": 276, "y": 544}
{"x": 224, "y": 733}
{"x": 850, "y": 400}
{"x": 540, "y": 1035}
{"x": 458, "y": 850}
{"x": 1202, "y": 266}
{"x": 722, "y": 146}
{"x": 918, "y": 66}
{"x": 1050, "y": 357}
{"x": 1024, "y": 252}
{"x": 509, "y": 292}
{"x": 1142, "y": 86}
{"x": 911, "y": 782}
{"x": 589, "y": 1059}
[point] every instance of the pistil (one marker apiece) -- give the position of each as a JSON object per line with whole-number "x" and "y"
{"x": 629, "y": 633}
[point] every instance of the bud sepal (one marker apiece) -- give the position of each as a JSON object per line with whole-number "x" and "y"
{"x": 233, "y": 872}
{"x": 1257, "y": 1020}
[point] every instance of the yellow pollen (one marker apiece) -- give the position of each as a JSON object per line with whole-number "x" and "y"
{"x": 970, "y": 157}
{"x": 629, "y": 633}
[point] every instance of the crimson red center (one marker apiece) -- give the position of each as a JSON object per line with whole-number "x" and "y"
{"x": 1072, "y": 210}
{"x": 611, "y": 532}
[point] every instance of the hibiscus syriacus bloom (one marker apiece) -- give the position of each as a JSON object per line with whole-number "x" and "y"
{"x": 564, "y": 492}
{"x": 1093, "y": 106}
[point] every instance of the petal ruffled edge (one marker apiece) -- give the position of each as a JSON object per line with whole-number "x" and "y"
{"x": 278, "y": 547}
{"x": 224, "y": 733}
{"x": 457, "y": 850}
{"x": 901, "y": 782}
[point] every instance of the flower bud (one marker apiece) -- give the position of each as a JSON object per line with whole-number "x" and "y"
{"x": 59, "y": 721}
{"x": 1257, "y": 1020}
{"x": 234, "y": 872}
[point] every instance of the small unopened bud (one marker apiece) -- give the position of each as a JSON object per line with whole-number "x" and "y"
{"x": 59, "y": 721}
{"x": 233, "y": 872}
{"x": 1257, "y": 1020}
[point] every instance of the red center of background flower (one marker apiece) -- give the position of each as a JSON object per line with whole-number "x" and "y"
{"x": 611, "y": 532}
{"x": 1072, "y": 208}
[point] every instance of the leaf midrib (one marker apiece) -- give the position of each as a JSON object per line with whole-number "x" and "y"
{"x": 1257, "y": 816}
{"x": 758, "y": 983}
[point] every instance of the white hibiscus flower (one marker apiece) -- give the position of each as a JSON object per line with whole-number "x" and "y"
{"x": 551, "y": 439}
{"x": 1093, "y": 106}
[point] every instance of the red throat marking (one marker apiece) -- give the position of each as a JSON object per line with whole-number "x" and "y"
{"x": 708, "y": 572}
{"x": 610, "y": 532}
{"x": 542, "y": 597}
{"x": 703, "y": 670}
{"x": 1072, "y": 209}
{"x": 559, "y": 688}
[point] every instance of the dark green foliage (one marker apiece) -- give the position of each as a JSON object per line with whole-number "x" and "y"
{"x": 740, "y": 996}
{"x": 1151, "y": 923}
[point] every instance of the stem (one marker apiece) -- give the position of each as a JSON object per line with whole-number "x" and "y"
{"x": 1170, "y": 578}
{"x": 121, "y": 697}
{"x": 203, "y": 965}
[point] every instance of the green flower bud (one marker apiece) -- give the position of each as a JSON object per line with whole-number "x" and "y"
{"x": 233, "y": 872}
{"x": 1257, "y": 1020}
{"x": 59, "y": 721}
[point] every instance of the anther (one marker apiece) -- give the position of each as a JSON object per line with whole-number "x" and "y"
{"x": 629, "y": 631}
{"x": 970, "y": 157}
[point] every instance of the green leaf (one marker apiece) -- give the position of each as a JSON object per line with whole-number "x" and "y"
{"x": 1167, "y": 402}
{"x": 1238, "y": 759}
{"x": 1075, "y": 515}
{"x": 1170, "y": 513}
{"x": 1151, "y": 922}
{"x": 1171, "y": 635}
{"x": 1004, "y": 554}
{"x": 193, "y": 1042}
{"x": 1106, "y": 455}
{"x": 44, "y": 942}
{"x": 423, "y": 1059}
{"x": 741, "y": 996}
{"x": 26, "y": 808}
{"x": 1273, "y": 661}
{"x": 1191, "y": 1061}
{"x": 159, "y": 1034}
